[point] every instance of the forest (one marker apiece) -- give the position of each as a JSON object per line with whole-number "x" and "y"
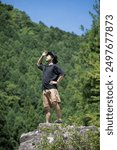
{"x": 21, "y": 44}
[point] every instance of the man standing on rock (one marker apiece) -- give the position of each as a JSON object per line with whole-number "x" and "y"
{"x": 52, "y": 75}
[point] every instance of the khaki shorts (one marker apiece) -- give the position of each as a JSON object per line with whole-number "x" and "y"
{"x": 50, "y": 96}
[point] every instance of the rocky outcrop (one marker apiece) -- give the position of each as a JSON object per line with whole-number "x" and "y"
{"x": 57, "y": 136}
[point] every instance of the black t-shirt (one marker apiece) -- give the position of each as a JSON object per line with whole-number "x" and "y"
{"x": 50, "y": 73}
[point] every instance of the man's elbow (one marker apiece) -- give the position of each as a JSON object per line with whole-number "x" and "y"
{"x": 38, "y": 63}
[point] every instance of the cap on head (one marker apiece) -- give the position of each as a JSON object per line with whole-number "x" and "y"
{"x": 53, "y": 56}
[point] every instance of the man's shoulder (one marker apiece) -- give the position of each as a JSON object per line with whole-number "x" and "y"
{"x": 55, "y": 65}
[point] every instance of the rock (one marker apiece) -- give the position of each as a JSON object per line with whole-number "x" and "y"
{"x": 52, "y": 134}
{"x": 29, "y": 140}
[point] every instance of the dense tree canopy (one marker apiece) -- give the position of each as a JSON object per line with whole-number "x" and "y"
{"x": 21, "y": 44}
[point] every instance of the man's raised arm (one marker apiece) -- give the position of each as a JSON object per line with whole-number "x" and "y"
{"x": 41, "y": 58}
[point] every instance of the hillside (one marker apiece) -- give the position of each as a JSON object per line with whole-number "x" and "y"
{"x": 21, "y": 44}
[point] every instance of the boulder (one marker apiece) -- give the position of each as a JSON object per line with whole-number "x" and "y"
{"x": 68, "y": 137}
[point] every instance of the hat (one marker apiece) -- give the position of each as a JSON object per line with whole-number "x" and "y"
{"x": 53, "y": 56}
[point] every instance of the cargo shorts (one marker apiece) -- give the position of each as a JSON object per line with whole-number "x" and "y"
{"x": 50, "y": 96}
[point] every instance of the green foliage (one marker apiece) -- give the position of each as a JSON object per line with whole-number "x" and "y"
{"x": 21, "y": 44}
{"x": 90, "y": 141}
{"x": 59, "y": 144}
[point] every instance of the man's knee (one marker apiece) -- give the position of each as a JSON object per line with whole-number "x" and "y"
{"x": 47, "y": 109}
{"x": 54, "y": 104}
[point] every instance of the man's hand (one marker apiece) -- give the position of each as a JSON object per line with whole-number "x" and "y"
{"x": 44, "y": 53}
{"x": 41, "y": 58}
{"x": 56, "y": 82}
{"x": 53, "y": 82}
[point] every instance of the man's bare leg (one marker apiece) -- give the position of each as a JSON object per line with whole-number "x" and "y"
{"x": 48, "y": 114}
{"x": 58, "y": 110}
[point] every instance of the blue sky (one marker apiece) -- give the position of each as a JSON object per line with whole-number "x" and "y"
{"x": 67, "y": 15}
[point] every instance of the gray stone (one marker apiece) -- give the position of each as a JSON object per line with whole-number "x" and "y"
{"x": 30, "y": 140}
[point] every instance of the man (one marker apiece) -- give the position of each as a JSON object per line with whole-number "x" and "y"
{"x": 52, "y": 75}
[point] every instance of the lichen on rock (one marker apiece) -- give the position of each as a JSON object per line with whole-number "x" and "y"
{"x": 61, "y": 137}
